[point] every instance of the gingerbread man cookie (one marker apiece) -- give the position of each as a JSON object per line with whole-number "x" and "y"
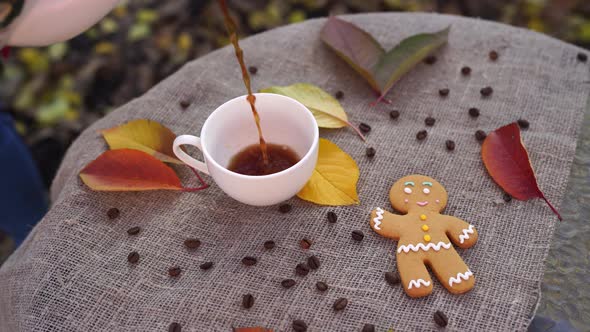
{"x": 424, "y": 236}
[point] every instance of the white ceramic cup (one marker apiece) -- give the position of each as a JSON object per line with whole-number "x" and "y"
{"x": 231, "y": 128}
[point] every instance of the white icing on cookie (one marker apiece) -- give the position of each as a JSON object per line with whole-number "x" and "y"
{"x": 460, "y": 276}
{"x": 377, "y": 220}
{"x": 415, "y": 248}
{"x": 465, "y": 235}
{"x": 416, "y": 283}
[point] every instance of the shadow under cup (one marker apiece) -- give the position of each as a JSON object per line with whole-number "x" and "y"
{"x": 231, "y": 128}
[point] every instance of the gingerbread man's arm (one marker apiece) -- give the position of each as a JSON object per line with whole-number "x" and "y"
{"x": 385, "y": 223}
{"x": 461, "y": 233}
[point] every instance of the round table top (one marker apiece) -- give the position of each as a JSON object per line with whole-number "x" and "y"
{"x": 72, "y": 273}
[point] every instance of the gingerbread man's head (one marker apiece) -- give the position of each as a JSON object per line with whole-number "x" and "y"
{"x": 416, "y": 193}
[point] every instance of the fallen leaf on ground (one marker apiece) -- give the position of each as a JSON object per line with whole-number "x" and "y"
{"x": 507, "y": 161}
{"x": 379, "y": 67}
{"x": 334, "y": 179}
{"x": 129, "y": 170}
{"x": 326, "y": 109}
{"x": 144, "y": 135}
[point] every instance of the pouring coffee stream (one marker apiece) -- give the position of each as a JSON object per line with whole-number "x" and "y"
{"x": 230, "y": 25}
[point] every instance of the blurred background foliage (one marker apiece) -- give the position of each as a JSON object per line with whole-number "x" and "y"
{"x": 55, "y": 92}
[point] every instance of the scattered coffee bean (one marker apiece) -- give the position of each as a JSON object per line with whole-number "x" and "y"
{"x": 247, "y": 301}
{"x": 394, "y": 114}
{"x": 332, "y": 217}
{"x": 368, "y": 328}
{"x": 392, "y": 278}
{"x": 507, "y": 198}
{"x": 249, "y": 260}
{"x": 450, "y": 145}
{"x": 524, "y": 124}
{"x": 358, "y": 235}
{"x": 285, "y": 208}
{"x": 305, "y": 244}
{"x": 440, "y": 318}
{"x": 113, "y": 213}
{"x": 340, "y": 304}
{"x": 431, "y": 59}
{"x": 493, "y": 55}
{"x": 185, "y": 104}
{"x": 466, "y": 71}
{"x": 302, "y": 269}
{"x": 313, "y": 262}
{"x": 133, "y": 230}
{"x": 370, "y": 152}
{"x": 133, "y": 257}
{"x": 253, "y": 70}
{"x": 421, "y": 135}
{"x": 299, "y": 326}
{"x": 444, "y": 92}
{"x": 192, "y": 243}
{"x": 288, "y": 283}
{"x": 365, "y": 128}
{"x": 474, "y": 112}
{"x": 174, "y": 327}
{"x": 429, "y": 121}
{"x": 321, "y": 286}
{"x": 174, "y": 271}
{"x": 339, "y": 94}
{"x": 582, "y": 57}
{"x": 487, "y": 91}
{"x": 206, "y": 265}
{"x": 269, "y": 245}
{"x": 480, "y": 135}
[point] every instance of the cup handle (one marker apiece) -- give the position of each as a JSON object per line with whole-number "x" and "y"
{"x": 192, "y": 162}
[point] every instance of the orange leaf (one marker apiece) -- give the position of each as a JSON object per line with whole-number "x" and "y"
{"x": 251, "y": 329}
{"x": 507, "y": 162}
{"x": 129, "y": 170}
{"x": 144, "y": 135}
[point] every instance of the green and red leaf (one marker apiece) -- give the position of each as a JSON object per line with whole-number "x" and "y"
{"x": 403, "y": 57}
{"x": 364, "y": 54}
{"x": 356, "y": 46}
{"x": 507, "y": 161}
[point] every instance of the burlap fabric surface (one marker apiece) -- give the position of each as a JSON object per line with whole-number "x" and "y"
{"x": 71, "y": 274}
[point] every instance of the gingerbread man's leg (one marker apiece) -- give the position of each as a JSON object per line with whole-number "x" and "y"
{"x": 413, "y": 273}
{"x": 451, "y": 271}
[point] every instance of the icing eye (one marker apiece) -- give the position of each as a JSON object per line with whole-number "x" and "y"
{"x": 408, "y": 190}
{"x": 426, "y": 191}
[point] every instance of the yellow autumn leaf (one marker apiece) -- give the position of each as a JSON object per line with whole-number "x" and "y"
{"x": 334, "y": 178}
{"x": 143, "y": 135}
{"x": 326, "y": 109}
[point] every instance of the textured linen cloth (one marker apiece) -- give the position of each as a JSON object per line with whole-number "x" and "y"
{"x": 71, "y": 273}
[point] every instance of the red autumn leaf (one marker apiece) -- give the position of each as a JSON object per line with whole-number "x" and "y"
{"x": 251, "y": 329}
{"x": 507, "y": 161}
{"x": 129, "y": 170}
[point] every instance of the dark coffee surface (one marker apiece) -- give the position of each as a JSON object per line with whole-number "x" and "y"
{"x": 250, "y": 161}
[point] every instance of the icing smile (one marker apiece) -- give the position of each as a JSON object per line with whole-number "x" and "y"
{"x": 422, "y": 203}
